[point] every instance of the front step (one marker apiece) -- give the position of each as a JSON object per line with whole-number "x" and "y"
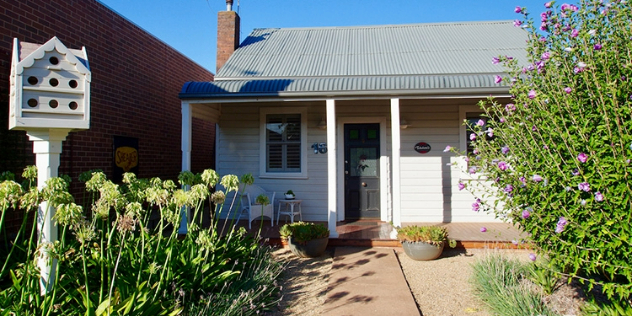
{"x": 392, "y": 243}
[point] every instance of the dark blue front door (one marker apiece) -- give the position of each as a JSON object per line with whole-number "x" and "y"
{"x": 362, "y": 171}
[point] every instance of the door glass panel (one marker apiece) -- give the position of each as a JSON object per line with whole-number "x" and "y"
{"x": 354, "y": 134}
{"x": 363, "y": 162}
{"x": 371, "y": 134}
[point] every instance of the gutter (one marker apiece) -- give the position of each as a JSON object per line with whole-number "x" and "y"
{"x": 468, "y": 93}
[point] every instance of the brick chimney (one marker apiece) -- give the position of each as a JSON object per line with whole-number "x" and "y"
{"x": 227, "y": 34}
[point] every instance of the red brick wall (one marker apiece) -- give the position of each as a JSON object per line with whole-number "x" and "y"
{"x": 227, "y": 36}
{"x": 135, "y": 83}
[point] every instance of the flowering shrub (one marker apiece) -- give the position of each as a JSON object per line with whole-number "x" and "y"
{"x": 560, "y": 160}
{"x": 110, "y": 259}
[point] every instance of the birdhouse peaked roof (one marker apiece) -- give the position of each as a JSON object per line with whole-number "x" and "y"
{"x": 28, "y": 53}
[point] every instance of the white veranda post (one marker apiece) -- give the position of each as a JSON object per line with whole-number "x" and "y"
{"x": 331, "y": 168}
{"x": 397, "y": 199}
{"x": 187, "y": 129}
{"x": 47, "y": 145}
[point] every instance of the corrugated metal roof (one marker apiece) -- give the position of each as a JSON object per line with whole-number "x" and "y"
{"x": 412, "y": 49}
{"x": 371, "y": 60}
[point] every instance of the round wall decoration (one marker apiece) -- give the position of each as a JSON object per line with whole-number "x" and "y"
{"x": 422, "y": 147}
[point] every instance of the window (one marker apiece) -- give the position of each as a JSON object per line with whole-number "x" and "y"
{"x": 471, "y": 114}
{"x": 283, "y": 143}
{"x": 283, "y": 134}
{"x": 472, "y": 118}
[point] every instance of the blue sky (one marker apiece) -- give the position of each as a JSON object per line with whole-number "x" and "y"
{"x": 190, "y": 26}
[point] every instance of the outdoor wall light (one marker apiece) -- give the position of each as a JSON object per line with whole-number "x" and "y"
{"x": 322, "y": 124}
{"x": 403, "y": 124}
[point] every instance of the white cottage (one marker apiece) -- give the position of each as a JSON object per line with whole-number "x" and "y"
{"x": 354, "y": 120}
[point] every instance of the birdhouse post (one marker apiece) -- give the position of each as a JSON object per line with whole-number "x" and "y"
{"x": 49, "y": 97}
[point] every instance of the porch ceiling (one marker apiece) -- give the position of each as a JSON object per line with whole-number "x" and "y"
{"x": 209, "y": 112}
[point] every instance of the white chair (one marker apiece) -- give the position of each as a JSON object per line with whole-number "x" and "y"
{"x": 249, "y": 204}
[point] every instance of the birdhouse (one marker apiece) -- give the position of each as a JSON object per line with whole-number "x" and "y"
{"x": 50, "y": 87}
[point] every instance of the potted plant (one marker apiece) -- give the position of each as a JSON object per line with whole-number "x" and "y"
{"x": 289, "y": 195}
{"x": 305, "y": 239}
{"x": 423, "y": 242}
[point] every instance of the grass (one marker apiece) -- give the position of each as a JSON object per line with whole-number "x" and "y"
{"x": 501, "y": 283}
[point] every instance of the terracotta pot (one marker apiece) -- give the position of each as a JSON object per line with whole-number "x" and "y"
{"x": 285, "y": 244}
{"x": 422, "y": 251}
{"x": 311, "y": 249}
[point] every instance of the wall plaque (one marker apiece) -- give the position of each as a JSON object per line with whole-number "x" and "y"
{"x": 125, "y": 157}
{"x": 422, "y": 147}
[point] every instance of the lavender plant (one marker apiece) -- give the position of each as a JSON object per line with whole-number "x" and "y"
{"x": 560, "y": 159}
{"x": 110, "y": 259}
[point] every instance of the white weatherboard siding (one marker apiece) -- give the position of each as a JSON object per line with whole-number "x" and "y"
{"x": 429, "y": 191}
{"x": 238, "y": 153}
{"x": 429, "y": 181}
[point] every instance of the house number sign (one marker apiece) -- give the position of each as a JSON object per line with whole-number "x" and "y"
{"x": 422, "y": 147}
{"x": 320, "y": 148}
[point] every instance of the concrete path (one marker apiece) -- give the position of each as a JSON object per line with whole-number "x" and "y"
{"x": 368, "y": 281}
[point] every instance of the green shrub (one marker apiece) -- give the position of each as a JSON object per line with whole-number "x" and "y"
{"x": 433, "y": 235}
{"x": 110, "y": 260}
{"x": 302, "y": 232}
{"x": 561, "y": 153}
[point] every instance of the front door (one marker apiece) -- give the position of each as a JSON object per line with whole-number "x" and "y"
{"x": 362, "y": 171}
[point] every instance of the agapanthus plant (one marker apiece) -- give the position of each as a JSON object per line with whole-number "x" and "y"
{"x": 114, "y": 258}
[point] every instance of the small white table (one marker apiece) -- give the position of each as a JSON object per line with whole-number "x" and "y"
{"x": 289, "y": 209}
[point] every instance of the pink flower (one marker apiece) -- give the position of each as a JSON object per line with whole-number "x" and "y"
{"x": 546, "y": 55}
{"x": 472, "y": 136}
{"x": 597, "y": 47}
{"x": 517, "y": 23}
{"x": 483, "y": 229}
{"x": 461, "y": 186}
{"x": 561, "y": 224}
{"x": 532, "y": 256}
{"x": 476, "y": 206}
{"x": 525, "y": 214}
{"x": 495, "y": 60}
{"x": 480, "y": 122}
{"x": 574, "y": 33}
{"x": 548, "y": 4}
{"x": 447, "y": 148}
{"x": 598, "y": 196}
{"x": 584, "y": 186}
{"x": 568, "y": 90}
{"x": 532, "y": 94}
{"x": 510, "y": 107}
{"x": 537, "y": 178}
{"x": 502, "y": 166}
{"x": 498, "y": 79}
{"x": 582, "y": 157}
{"x": 518, "y": 10}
